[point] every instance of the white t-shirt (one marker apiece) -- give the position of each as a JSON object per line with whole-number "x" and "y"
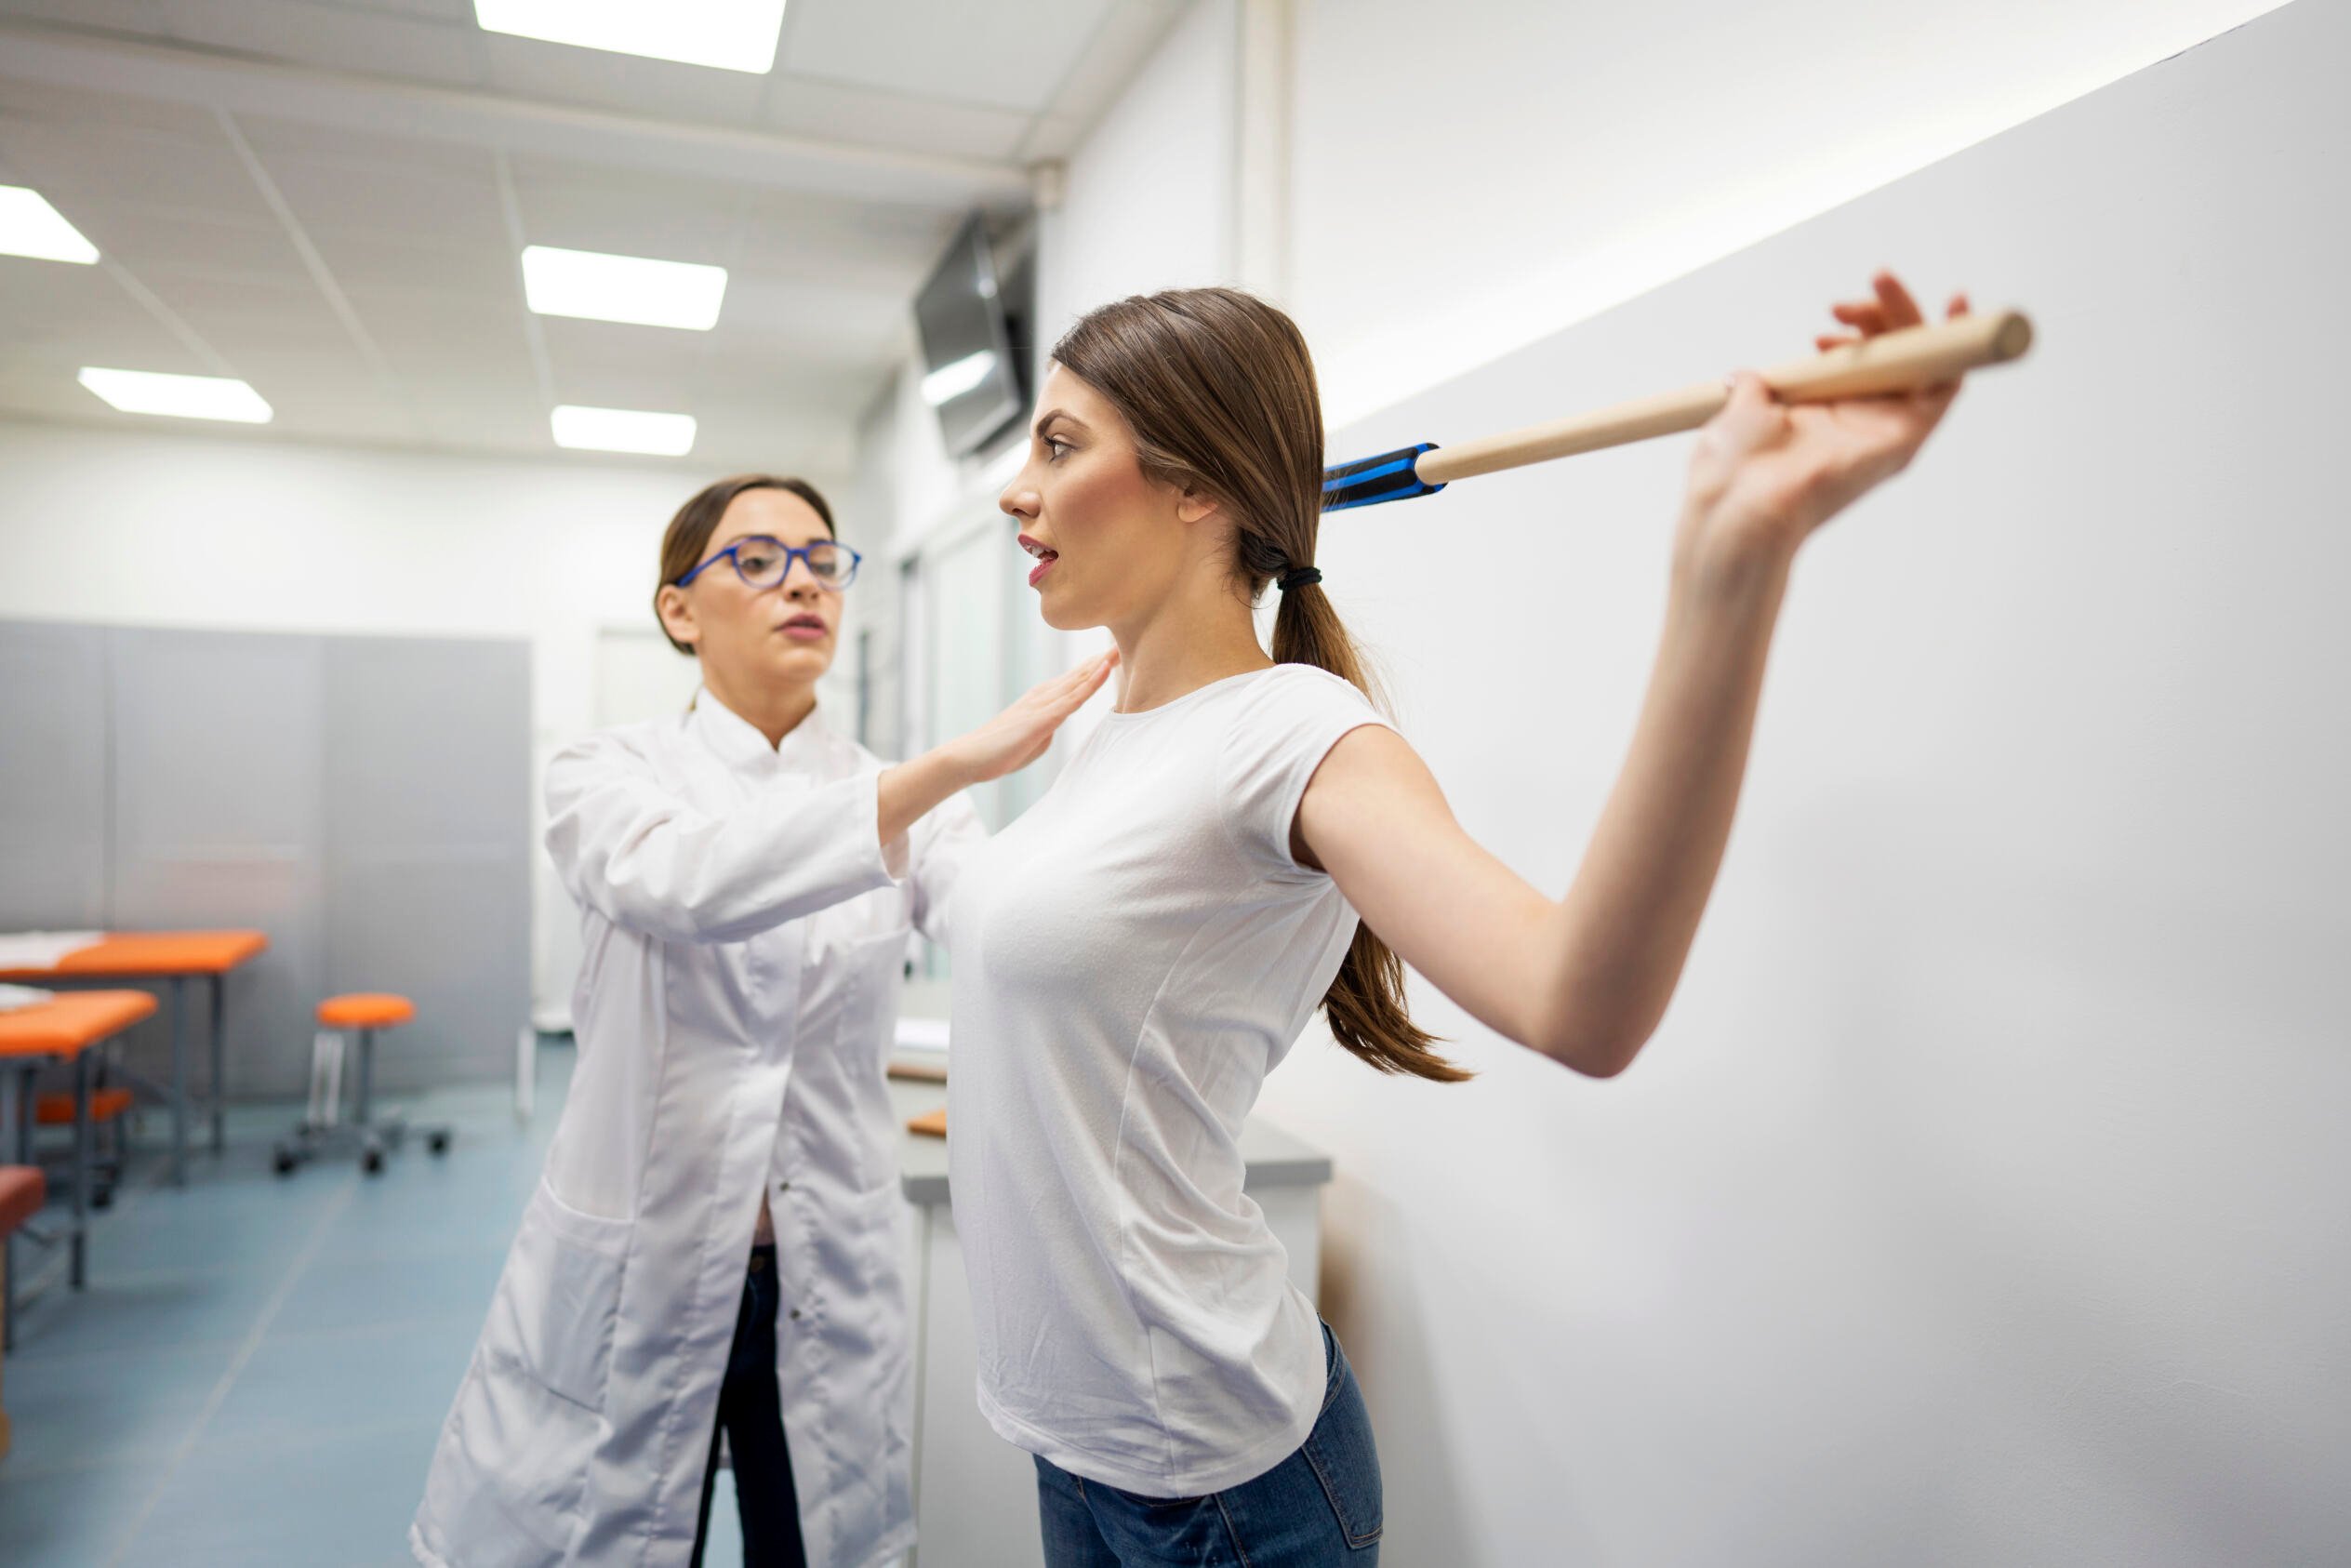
{"x": 1131, "y": 957}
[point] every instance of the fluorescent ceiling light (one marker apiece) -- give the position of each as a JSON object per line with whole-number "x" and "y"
{"x": 632, "y": 288}
{"x": 30, "y": 226}
{"x": 623, "y": 430}
{"x": 952, "y": 380}
{"x": 730, "y": 35}
{"x": 185, "y": 397}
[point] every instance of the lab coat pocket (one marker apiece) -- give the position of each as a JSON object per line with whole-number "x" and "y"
{"x": 878, "y": 966}
{"x": 562, "y": 1295}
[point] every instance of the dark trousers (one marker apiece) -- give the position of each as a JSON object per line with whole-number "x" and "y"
{"x": 750, "y": 1413}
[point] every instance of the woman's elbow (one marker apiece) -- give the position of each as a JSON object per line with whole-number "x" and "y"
{"x": 1595, "y": 1047}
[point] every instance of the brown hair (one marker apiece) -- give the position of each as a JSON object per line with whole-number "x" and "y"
{"x": 689, "y": 532}
{"x": 1218, "y": 389}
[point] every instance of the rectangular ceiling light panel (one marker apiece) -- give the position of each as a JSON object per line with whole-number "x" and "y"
{"x": 30, "y": 226}
{"x": 623, "y": 430}
{"x": 183, "y": 397}
{"x": 630, "y": 289}
{"x": 728, "y": 35}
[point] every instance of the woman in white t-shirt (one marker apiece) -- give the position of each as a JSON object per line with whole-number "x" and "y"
{"x": 1137, "y": 951}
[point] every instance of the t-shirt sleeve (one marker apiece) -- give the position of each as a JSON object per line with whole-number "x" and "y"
{"x": 1278, "y": 740}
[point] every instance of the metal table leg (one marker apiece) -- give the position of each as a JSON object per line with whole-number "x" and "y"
{"x": 18, "y": 1152}
{"x": 179, "y": 1081}
{"x": 220, "y": 1052}
{"x": 81, "y": 1166}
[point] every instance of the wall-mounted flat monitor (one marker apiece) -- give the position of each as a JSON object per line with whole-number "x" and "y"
{"x": 970, "y": 375}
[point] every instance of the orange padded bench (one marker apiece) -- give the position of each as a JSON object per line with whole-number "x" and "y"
{"x": 66, "y": 1028}
{"x": 22, "y": 1192}
{"x": 176, "y": 956}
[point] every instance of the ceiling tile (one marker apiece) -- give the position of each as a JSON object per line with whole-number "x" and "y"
{"x": 81, "y": 106}
{"x": 150, "y": 239}
{"x": 828, "y": 111}
{"x": 1008, "y": 54}
{"x": 341, "y": 38}
{"x": 138, "y": 17}
{"x": 272, "y": 139}
{"x": 485, "y": 271}
{"x": 232, "y": 313}
{"x": 332, "y": 196}
{"x": 200, "y": 175}
{"x": 459, "y": 11}
{"x": 74, "y": 316}
{"x": 626, "y": 213}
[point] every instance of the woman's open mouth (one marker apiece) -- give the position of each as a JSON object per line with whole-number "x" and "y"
{"x": 1045, "y": 558}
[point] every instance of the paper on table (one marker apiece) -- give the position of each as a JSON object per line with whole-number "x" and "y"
{"x": 42, "y": 950}
{"x": 15, "y": 999}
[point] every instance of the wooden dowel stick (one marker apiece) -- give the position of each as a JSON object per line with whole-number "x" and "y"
{"x": 1916, "y": 357}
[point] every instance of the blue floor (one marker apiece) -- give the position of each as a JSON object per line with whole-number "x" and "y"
{"x": 256, "y": 1373}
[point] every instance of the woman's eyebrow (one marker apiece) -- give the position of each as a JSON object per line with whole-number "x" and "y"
{"x": 1052, "y": 414}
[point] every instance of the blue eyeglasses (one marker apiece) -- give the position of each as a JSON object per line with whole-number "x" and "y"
{"x": 763, "y": 562}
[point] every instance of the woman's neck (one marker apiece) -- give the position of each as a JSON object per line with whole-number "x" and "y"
{"x": 1183, "y": 646}
{"x": 773, "y": 711}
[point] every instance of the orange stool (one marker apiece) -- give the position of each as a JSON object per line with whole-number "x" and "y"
{"x": 362, "y": 1013}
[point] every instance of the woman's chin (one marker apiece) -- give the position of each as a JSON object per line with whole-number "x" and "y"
{"x": 1062, "y": 616}
{"x": 802, "y": 664}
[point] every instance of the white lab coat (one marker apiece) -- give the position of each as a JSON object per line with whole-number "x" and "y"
{"x": 744, "y": 934}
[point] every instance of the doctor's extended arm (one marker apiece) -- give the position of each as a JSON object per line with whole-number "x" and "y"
{"x": 649, "y": 860}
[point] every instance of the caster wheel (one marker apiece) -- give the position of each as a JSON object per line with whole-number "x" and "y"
{"x": 102, "y": 1202}
{"x": 373, "y": 1162}
{"x": 438, "y": 1143}
{"x": 282, "y": 1162}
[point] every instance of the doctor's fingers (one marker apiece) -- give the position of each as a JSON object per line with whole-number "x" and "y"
{"x": 1071, "y": 690}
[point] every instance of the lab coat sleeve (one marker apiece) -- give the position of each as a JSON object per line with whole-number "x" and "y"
{"x": 631, "y": 848}
{"x": 942, "y": 841}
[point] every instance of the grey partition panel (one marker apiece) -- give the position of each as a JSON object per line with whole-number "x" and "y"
{"x": 53, "y": 741}
{"x": 428, "y": 845}
{"x": 217, "y": 822}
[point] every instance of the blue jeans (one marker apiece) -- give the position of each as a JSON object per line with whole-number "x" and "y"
{"x": 1318, "y": 1509}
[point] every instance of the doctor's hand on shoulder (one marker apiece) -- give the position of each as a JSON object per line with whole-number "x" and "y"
{"x": 1004, "y": 744}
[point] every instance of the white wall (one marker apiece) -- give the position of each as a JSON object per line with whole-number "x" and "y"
{"x": 1151, "y": 197}
{"x": 165, "y": 528}
{"x": 1980, "y": 1200}
{"x": 1469, "y": 181}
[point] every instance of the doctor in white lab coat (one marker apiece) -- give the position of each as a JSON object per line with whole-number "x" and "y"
{"x": 746, "y": 880}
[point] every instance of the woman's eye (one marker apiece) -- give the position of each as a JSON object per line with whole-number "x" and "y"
{"x": 1056, "y": 447}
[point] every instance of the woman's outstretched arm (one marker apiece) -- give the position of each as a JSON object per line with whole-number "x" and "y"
{"x": 1587, "y": 977}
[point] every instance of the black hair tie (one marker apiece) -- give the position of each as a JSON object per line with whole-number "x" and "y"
{"x": 1301, "y": 576}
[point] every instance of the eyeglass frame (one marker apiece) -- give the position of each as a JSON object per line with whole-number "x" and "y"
{"x": 791, "y": 553}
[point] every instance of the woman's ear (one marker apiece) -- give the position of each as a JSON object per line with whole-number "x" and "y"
{"x": 677, "y": 614}
{"x": 1192, "y": 504}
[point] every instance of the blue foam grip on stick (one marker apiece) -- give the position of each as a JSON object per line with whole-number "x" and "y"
{"x": 1370, "y": 481}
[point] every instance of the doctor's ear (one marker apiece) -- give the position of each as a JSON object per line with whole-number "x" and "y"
{"x": 677, "y": 616}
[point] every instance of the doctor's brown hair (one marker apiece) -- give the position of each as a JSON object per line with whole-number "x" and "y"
{"x": 689, "y": 532}
{"x": 1218, "y": 390}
